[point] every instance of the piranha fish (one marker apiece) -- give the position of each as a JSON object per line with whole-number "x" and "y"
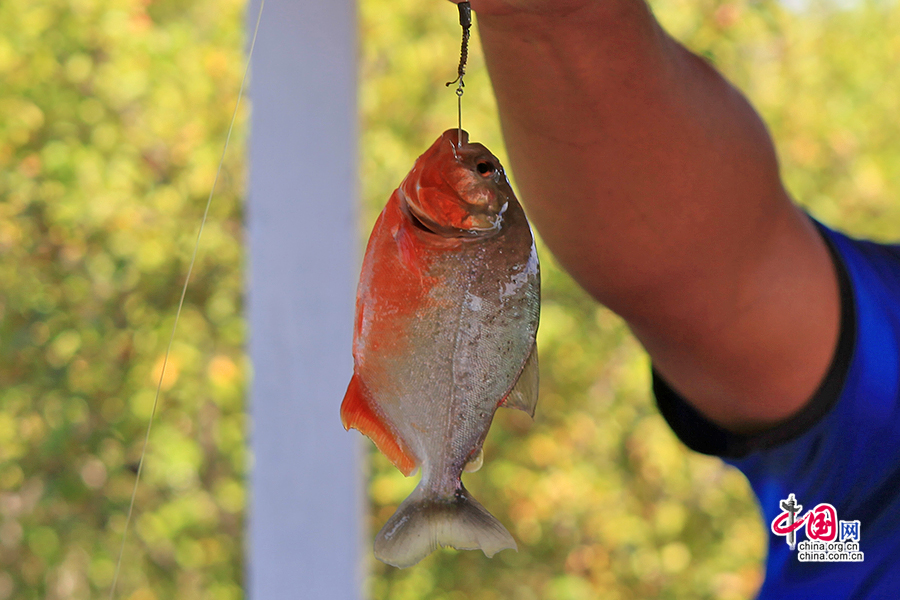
{"x": 446, "y": 316}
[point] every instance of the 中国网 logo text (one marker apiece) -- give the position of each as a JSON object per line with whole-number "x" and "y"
{"x": 828, "y": 539}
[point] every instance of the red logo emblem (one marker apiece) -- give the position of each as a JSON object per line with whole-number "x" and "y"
{"x": 821, "y": 523}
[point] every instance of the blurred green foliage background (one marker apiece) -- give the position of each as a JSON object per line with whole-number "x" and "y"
{"x": 112, "y": 119}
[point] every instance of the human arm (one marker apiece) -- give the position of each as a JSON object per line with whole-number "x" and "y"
{"x": 656, "y": 185}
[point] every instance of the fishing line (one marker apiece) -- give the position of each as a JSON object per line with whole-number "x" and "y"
{"x": 465, "y": 21}
{"x": 187, "y": 279}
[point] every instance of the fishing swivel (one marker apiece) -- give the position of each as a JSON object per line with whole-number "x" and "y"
{"x": 465, "y": 21}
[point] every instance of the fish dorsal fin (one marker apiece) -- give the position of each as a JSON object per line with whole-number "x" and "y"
{"x": 524, "y": 394}
{"x": 357, "y": 413}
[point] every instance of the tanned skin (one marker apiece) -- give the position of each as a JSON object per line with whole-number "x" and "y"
{"x": 656, "y": 185}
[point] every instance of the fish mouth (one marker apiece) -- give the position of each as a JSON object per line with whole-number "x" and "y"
{"x": 483, "y": 225}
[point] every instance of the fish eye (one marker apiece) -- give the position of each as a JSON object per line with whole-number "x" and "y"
{"x": 486, "y": 168}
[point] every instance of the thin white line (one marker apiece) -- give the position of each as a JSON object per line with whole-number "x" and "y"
{"x": 187, "y": 279}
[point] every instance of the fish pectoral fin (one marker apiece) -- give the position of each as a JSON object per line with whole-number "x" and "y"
{"x": 475, "y": 462}
{"x": 357, "y": 412}
{"x": 524, "y": 394}
{"x": 406, "y": 250}
{"x": 421, "y": 525}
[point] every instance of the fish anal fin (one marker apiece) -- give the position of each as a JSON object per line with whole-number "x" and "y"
{"x": 524, "y": 394}
{"x": 357, "y": 413}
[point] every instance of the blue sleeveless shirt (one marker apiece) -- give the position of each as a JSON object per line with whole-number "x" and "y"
{"x": 839, "y": 458}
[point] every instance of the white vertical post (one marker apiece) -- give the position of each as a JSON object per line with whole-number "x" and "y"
{"x": 304, "y": 536}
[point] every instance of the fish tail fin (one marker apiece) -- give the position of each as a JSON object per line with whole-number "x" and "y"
{"x": 421, "y": 525}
